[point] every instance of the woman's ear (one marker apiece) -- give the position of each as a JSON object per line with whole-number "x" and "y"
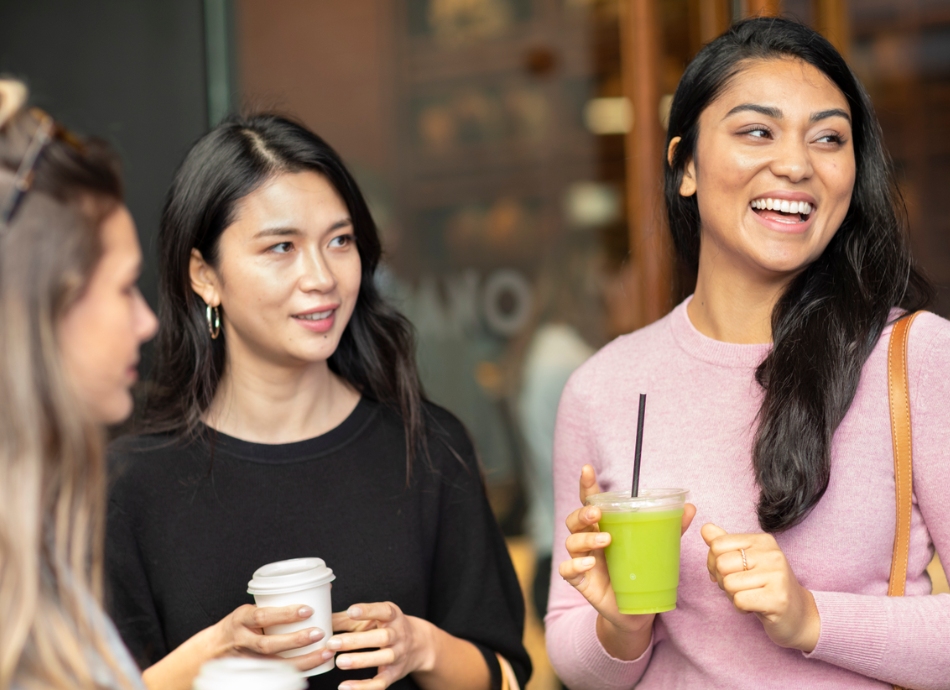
{"x": 204, "y": 279}
{"x": 688, "y": 183}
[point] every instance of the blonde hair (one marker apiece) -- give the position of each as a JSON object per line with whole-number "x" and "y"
{"x": 52, "y": 495}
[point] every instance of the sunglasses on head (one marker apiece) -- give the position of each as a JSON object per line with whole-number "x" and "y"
{"x": 45, "y": 132}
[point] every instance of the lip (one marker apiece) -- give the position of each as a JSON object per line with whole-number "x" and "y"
{"x": 317, "y": 310}
{"x": 321, "y": 325}
{"x": 788, "y": 196}
{"x": 798, "y": 228}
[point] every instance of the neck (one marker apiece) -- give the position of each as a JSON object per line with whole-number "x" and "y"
{"x": 732, "y": 304}
{"x": 264, "y": 402}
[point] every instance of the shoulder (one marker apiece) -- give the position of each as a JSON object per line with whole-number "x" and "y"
{"x": 448, "y": 438}
{"x": 627, "y": 357}
{"x": 930, "y": 337}
{"x": 138, "y": 463}
{"x": 928, "y": 357}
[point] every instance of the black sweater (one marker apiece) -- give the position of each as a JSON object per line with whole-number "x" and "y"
{"x": 189, "y": 523}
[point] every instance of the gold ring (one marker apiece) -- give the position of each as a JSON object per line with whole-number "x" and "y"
{"x": 745, "y": 562}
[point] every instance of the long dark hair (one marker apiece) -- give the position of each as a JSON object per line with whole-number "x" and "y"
{"x": 376, "y": 353}
{"x": 832, "y": 314}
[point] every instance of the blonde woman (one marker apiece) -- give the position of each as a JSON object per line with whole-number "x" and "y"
{"x": 72, "y": 322}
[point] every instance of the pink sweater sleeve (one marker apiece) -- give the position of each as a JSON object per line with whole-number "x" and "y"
{"x": 905, "y": 640}
{"x": 573, "y": 647}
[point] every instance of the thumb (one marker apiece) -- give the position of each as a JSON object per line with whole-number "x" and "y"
{"x": 711, "y": 532}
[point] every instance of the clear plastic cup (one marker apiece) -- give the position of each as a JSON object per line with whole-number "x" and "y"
{"x": 643, "y": 557}
{"x": 248, "y": 674}
{"x": 297, "y": 582}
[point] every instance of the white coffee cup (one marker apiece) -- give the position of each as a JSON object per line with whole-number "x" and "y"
{"x": 297, "y": 582}
{"x": 248, "y": 674}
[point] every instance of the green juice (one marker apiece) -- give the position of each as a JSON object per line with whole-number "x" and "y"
{"x": 643, "y": 558}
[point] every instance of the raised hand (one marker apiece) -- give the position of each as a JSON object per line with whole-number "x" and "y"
{"x": 623, "y": 636}
{"x": 753, "y": 571}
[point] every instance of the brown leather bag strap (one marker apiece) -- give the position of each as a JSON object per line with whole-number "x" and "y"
{"x": 899, "y": 395}
{"x": 898, "y": 392}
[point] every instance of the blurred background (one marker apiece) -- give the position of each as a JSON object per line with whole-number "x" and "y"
{"x": 510, "y": 151}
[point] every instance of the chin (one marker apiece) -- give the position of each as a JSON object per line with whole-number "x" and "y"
{"x": 114, "y": 411}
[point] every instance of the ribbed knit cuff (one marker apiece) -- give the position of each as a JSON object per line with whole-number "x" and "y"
{"x": 853, "y": 631}
{"x": 607, "y": 672}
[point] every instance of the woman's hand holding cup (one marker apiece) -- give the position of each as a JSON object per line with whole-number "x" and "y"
{"x": 242, "y": 634}
{"x": 623, "y": 636}
{"x": 399, "y": 644}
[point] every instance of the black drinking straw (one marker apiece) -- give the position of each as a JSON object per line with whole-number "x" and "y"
{"x": 636, "y": 456}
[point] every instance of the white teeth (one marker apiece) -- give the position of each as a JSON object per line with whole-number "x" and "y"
{"x": 783, "y": 205}
{"x": 316, "y": 316}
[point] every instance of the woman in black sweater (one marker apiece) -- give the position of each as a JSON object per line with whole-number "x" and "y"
{"x": 285, "y": 420}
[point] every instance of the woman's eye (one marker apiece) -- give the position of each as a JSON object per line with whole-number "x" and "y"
{"x": 831, "y": 139}
{"x": 341, "y": 240}
{"x": 757, "y": 132}
{"x": 282, "y": 248}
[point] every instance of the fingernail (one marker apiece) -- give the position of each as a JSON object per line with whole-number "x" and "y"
{"x": 327, "y": 655}
{"x": 305, "y": 612}
{"x": 603, "y": 538}
{"x": 591, "y": 514}
{"x": 346, "y": 687}
{"x": 587, "y": 560}
{"x": 316, "y": 634}
{"x": 354, "y": 612}
{"x": 334, "y": 643}
{"x": 344, "y": 662}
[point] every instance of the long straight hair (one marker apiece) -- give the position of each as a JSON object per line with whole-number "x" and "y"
{"x": 831, "y": 315}
{"x": 376, "y": 353}
{"x": 52, "y": 492}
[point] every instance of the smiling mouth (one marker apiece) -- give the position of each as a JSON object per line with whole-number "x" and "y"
{"x": 782, "y": 210}
{"x": 315, "y": 316}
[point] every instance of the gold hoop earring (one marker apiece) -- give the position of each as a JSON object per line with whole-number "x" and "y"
{"x": 214, "y": 321}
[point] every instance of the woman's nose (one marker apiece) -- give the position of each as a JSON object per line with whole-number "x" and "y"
{"x": 147, "y": 323}
{"x": 792, "y": 161}
{"x": 317, "y": 273}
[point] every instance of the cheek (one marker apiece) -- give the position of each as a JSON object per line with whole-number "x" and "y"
{"x": 251, "y": 293}
{"x": 98, "y": 344}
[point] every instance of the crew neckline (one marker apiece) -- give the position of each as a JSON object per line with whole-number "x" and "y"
{"x": 276, "y": 453}
{"x": 700, "y": 346}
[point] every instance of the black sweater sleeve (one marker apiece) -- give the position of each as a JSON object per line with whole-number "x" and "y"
{"x": 128, "y": 593}
{"x": 475, "y": 593}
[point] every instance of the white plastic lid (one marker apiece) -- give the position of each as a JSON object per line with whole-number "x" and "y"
{"x": 648, "y": 499}
{"x": 248, "y": 674}
{"x": 294, "y": 575}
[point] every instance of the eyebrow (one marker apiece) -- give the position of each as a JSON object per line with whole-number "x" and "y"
{"x": 833, "y": 112}
{"x": 293, "y": 232}
{"x": 776, "y": 114}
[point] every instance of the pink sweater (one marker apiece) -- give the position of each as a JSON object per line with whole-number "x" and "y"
{"x": 702, "y": 401}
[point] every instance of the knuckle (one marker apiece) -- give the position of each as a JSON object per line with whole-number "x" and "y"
{"x": 258, "y": 618}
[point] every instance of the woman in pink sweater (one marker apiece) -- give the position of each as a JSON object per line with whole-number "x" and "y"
{"x": 767, "y": 398}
